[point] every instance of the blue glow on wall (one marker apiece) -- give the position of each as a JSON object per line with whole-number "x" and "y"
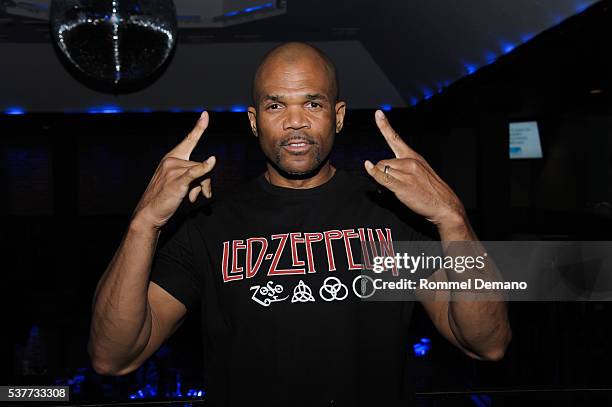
{"x": 490, "y": 57}
{"x": 507, "y": 47}
{"x": 580, "y": 7}
{"x": 386, "y": 108}
{"x": 442, "y": 85}
{"x": 557, "y": 18}
{"x": 108, "y": 109}
{"x": 14, "y": 110}
{"x": 470, "y": 68}
{"x": 238, "y": 108}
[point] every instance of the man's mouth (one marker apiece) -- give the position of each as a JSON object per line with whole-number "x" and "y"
{"x": 297, "y": 146}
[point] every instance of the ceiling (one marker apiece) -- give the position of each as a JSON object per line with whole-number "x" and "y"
{"x": 412, "y": 48}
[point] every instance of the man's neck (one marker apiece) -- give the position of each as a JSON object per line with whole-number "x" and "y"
{"x": 320, "y": 178}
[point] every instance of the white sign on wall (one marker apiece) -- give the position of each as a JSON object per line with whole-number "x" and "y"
{"x": 525, "y": 140}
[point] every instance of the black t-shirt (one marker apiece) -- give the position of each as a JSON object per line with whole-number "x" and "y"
{"x": 272, "y": 269}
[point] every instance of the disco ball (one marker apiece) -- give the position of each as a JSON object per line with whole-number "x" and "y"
{"x": 116, "y": 43}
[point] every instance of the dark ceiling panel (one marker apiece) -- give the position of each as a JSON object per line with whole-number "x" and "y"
{"x": 419, "y": 46}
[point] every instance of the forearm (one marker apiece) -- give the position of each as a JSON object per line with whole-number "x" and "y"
{"x": 121, "y": 316}
{"x": 481, "y": 326}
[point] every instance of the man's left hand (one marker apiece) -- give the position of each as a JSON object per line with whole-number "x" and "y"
{"x": 413, "y": 181}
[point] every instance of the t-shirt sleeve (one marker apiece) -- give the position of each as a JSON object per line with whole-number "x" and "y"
{"x": 173, "y": 266}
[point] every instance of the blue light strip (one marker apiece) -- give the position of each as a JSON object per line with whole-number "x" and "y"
{"x": 248, "y": 10}
{"x": 109, "y": 109}
{"x": 114, "y": 109}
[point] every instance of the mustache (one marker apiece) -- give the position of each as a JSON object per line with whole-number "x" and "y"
{"x": 297, "y": 136}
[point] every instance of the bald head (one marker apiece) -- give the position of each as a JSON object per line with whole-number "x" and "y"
{"x": 291, "y": 54}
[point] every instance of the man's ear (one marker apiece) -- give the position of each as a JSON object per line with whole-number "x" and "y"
{"x": 253, "y": 119}
{"x": 340, "y": 111}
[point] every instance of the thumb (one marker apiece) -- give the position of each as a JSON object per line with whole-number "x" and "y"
{"x": 211, "y": 161}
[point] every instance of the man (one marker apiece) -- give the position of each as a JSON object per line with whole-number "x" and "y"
{"x": 272, "y": 266}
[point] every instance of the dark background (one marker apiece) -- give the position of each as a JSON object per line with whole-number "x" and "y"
{"x": 70, "y": 182}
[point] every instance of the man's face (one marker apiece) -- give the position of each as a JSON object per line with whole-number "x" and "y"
{"x": 296, "y": 118}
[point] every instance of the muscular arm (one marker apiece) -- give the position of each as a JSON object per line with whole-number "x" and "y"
{"x": 131, "y": 317}
{"x": 479, "y": 328}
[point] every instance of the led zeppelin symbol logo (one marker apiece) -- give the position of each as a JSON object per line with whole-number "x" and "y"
{"x": 302, "y": 293}
{"x": 333, "y": 289}
{"x": 268, "y": 294}
{"x": 363, "y": 286}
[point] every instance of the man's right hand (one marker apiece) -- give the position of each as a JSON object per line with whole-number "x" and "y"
{"x": 173, "y": 179}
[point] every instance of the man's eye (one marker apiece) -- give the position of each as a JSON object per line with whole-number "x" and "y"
{"x": 314, "y": 104}
{"x": 273, "y": 106}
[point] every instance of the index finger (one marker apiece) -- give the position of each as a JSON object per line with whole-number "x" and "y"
{"x": 399, "y": 146}
{"x": 184, "y": 148}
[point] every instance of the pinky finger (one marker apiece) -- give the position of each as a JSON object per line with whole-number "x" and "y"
{"x": 193, "y": 194}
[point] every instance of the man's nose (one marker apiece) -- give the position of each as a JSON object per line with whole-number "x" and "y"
{"x": 295, "y": 119}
